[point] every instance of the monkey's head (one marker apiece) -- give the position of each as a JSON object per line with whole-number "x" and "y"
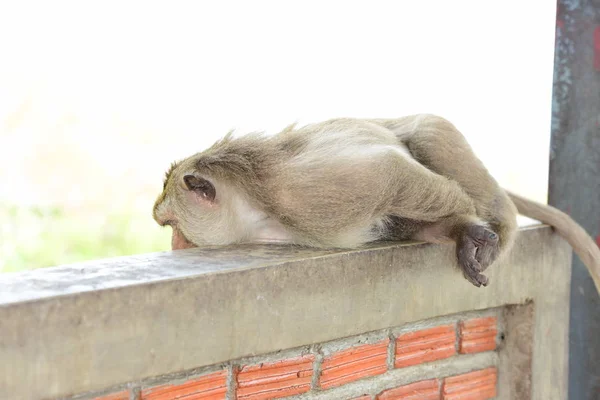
{"x": 194, "y": 206}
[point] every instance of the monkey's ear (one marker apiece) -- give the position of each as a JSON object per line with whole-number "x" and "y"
{"x": 200, "y": 186}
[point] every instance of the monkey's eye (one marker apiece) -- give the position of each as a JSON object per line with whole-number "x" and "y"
{"x": 200, "y": 186}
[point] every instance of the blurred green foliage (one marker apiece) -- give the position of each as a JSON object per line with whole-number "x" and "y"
{"x": 33, "y": 237}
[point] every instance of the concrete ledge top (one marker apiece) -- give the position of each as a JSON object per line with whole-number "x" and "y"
{"x": 117, "y": 272}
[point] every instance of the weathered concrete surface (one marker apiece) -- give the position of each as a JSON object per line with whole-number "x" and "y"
{"x": 201, "y": 307}
{"x": 516, "y": 352}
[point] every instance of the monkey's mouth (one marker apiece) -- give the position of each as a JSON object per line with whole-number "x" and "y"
{"x": 179, "y": 241}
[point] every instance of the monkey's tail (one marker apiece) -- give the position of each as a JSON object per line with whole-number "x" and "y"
{"x": 571, "y": 231}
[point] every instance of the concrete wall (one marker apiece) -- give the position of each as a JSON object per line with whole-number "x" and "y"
{"x": 200, "y": 319}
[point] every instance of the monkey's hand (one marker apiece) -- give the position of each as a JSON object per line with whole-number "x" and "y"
{"x": 476, "y": 248}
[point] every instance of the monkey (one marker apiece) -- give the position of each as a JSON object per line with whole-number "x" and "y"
{"x": 346, "y": 182}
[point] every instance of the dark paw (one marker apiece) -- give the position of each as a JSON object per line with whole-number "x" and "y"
{"x": 487, "y": 245}
{"x": 476, "y": 249}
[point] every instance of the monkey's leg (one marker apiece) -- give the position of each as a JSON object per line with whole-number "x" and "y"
{"x": 473, "y": 239}
{"x": 437, "y": 144}
{"x": 443, "y": 210}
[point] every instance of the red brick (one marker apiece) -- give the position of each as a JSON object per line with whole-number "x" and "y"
{"x": 353, "y": 364}
{"x": 425, "y": 345}
{"x": 207, "y": 387}
{"x": 478, "y": 385}
{"x": 276, "y": 379}
{"x": 124, "y": 395}
{"x": 423, "y": 390}
{"x": 477, "y": 335}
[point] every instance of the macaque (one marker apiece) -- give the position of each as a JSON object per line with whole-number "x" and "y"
{"x": 346, "y": 182}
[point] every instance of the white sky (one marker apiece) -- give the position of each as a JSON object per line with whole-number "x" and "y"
{"x": 164, "y": 80}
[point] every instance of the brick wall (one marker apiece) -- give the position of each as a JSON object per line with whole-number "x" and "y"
{"x": 448, "y": 358}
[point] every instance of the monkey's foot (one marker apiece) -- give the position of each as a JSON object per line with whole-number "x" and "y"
{"x": 476, "y": 249}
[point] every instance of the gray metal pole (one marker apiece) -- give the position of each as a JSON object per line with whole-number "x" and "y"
{"x": 574, "y": 185}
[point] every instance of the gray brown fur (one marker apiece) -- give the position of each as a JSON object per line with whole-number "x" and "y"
{"x": 342, "y": 183}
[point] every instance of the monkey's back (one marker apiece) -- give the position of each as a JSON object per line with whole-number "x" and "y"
{"x": 325, "y": 169}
